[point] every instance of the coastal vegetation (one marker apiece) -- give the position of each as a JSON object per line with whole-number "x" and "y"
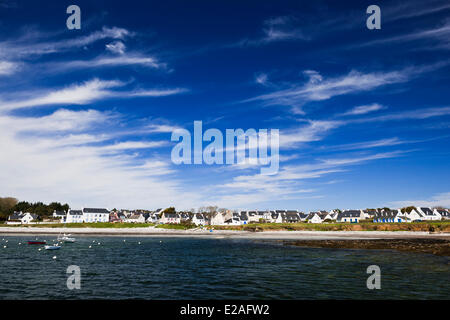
{"x": 9, "y": 205}
{"x": 428, "y": 226}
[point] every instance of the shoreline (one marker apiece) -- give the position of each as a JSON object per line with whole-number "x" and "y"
{"x": 231, "y": 234}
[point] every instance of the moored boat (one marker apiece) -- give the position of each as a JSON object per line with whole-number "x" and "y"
{"x": 54, "y": 247}
{"x": 36, "y": 242}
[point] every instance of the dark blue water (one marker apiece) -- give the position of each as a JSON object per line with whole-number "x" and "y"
{"x": 185, "y": 268}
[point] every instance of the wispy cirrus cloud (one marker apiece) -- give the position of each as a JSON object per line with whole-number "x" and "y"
{"x": 84, "y": 93}
{"x": 319, "y": 88}
{"x": 33, "y": 45}
{"x": 276, "y": 29}
{"x": 360, "y": 110}
{"x": 108, "y": 61}
{"x": 8, "y": 68}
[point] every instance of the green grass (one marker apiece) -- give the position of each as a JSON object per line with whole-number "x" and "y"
{"x": 364, "y": 226}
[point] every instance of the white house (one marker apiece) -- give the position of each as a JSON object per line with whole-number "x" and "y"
{"x": 428, "y": 214}
{"x": 350, "y": 216}
{"x": 220, "y": 218}
{"x": 153, "y": 218}
{"x": 235, "y": 219}
{"x": 170, "y": 218}
{"x": 95, "y": 215}
{"x": 135, "y": 218}
{"x": 276, "y": 216}
{"x": 413, "y": 215}
{"x": 252, "y": 216}
{"x": 75, "y": 216}
{"x": 314, "y": 217}
{"x": 198, "y": 219}
{"x": 445, "y": 215}
{"x": 23, "y": 218}
{"x": 60, "y": 215}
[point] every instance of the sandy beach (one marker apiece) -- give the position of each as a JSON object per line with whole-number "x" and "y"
{"x": 218, "y": 234}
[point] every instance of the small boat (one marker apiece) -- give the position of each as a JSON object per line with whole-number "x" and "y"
{"x": 54, "y": 247}
{"x": 36, "y": 242}
{"x": 66, "y": 238}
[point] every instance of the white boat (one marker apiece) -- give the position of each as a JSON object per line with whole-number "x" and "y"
{"x": 54, "y": 247}
{"x": 65, "y": 238}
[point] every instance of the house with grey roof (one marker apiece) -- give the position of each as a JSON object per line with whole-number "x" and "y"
{"x": 170, "y": 217}
{"x": 290, "y": 216}
{"x": 384, "y": 216}
{"x": 136, "y": 218}
{"x": 62, "y": 215}
{"x": 445, "y": 214}
{"x": 428, "y": 213}
{"x": 22, "y": 218}
{"x": 198, "y": 219}
{"x": 95, "y": 215}
{"x": 75, "y": 216}
{"x": 353, "y": 216}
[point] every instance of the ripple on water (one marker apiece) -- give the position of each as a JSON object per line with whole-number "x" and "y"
{"x": 215, "y": 269}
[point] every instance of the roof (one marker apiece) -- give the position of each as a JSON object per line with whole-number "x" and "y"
{"x": 427, "y": 211}
{"x": 95, "y": 210}
{"x": 75, "y": 212}
{"x": 59, "y": 213}
{"x": 171, "y": 215}
{"x": 16, "y": 216}
{"x": 349, "y": 214}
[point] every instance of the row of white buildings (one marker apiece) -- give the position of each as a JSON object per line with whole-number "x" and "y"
{"x": 159, "y": 216}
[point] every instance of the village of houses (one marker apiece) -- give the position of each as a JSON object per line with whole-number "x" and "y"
{"x": 164, "y": 216}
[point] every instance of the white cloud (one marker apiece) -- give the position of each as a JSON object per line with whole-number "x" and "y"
{"x": 318, "y": 88}
{"x": 116, "y": 47}
{"x": 363, "y": 109}
{"x": 313, "y": 131}
{"x": 65, "y": 166}
{"x": 81, "y": 94}
{"x": 438, "y": 200}
{"x": 104, "y": 61}
{"x": 157, "y": 92}
{"x": 8, "y": 68}
{"x": 31, "y": 45}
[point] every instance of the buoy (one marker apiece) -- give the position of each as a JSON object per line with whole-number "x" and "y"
{"x": 39, "y": 249}
{"x": 98, "y": 243}
{"x": 160, "y": 241}
{"x": 139, "y": 242}
{"x": 54, "y": 257}
{"x": 4, "y": 246}
{"x": 90, "y": 246}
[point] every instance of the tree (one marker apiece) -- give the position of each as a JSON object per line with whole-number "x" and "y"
{"x": 6, "y": 207}
{"x": 407, "y": 209}
{"x": 169, "y": 210}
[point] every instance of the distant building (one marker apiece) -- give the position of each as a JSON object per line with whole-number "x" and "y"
{"x": 22, "y": 218}
{"x": 428, "y": 214}
{"x": 170, "y": 218}
{"x": 350, "y": 216}
{"x": 95, "y": 215}
{"x": 198, "y": 219}
{"x": 75, "y": 216}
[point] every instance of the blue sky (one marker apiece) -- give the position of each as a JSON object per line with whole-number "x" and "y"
{"x": 86, "y": 115}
